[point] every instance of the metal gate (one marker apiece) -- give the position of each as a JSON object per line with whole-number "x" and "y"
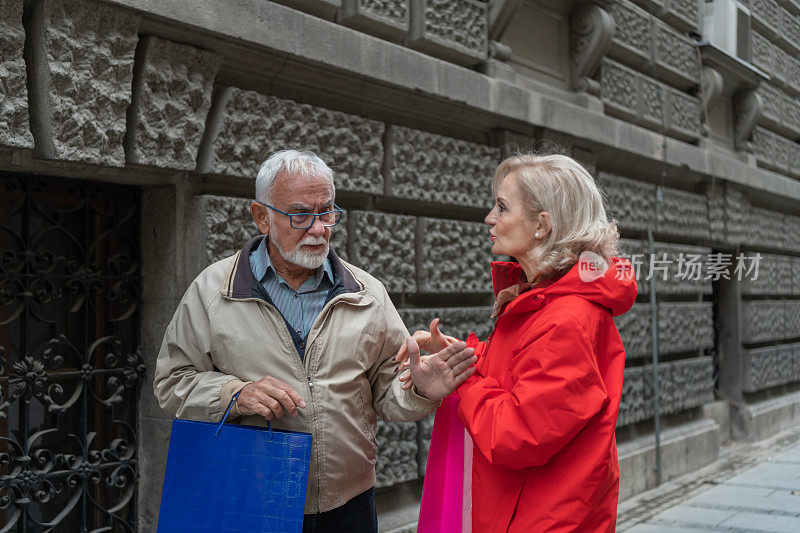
{"x": 70, "y": 366}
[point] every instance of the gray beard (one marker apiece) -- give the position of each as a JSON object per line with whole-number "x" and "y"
{"x": 298, "y": 256}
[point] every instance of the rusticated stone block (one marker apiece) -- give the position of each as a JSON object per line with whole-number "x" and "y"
{"x": 171, "y": 98}
{"x": 634, "y": 32}
{"x": 774, "y": 275}
{"x": 683, "y": 13}
{"x": 792, "y": 319}
{"x": 384, "y": 18}
{"x": 383, "y": 245}
{"x": 771, "y": 150}
{"x": 763, "y": 320}
{"x": 632, "y": 203}
{"x": 766, "y": 16}
{"x": 676, "y": 55}
{"x": 796, "y": 276}
{"x": 454, "y": 257}
{"x": 14, "y": 126}
{"x": 632, "y": 96}
{"x": 456, "y": 321}
{"x": 683, "y": 327}
{"x": 683, "y": 385}
{"x": 767, "y": 228}
{"x": 228, "y": 225}
{"x": 676, "y": 269}
{"x": 432, "y": 167}
{"x": 771, "y": 366}
{"x": 456, "y": 30}
{"x": 253, "y": 126}
{"x": 397, "y": 453}
{"x": 790, "y": 31}
{"x": 90, "y": 48}
{"x": 728, "y": 214}
{"x": 762, "y": 52}
{"x": 786, "y": 69}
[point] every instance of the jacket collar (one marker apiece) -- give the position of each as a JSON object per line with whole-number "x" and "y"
{"x": 238, "y": 282}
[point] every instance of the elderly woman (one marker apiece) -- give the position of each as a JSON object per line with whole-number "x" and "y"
{"x": 542, "y": 406}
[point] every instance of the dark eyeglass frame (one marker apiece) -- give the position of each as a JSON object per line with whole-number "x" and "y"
{"x": 314, "y": 216}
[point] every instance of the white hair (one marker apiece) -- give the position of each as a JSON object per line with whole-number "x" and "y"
{"x": 295, "y": 162}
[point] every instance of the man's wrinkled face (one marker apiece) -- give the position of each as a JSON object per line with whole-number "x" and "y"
{"x": 308, "y": 247}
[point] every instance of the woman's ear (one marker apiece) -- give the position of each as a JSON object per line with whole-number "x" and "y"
{"x": 543, "y": 223}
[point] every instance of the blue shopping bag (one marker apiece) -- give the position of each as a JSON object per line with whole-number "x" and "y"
{"x": 234, "y": 478}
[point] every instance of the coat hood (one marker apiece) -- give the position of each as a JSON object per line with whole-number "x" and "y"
{"x": 615, "y": 289}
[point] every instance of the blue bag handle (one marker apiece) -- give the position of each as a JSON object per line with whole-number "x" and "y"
{"x": 228, "y": 411}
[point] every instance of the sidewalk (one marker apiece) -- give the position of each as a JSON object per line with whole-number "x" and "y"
{"x": 753, "y": 487}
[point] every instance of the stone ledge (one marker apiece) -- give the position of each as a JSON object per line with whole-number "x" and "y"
{"x": 637, "y": 457}
{"x": 276, "y": 28}
{"x": 763, "y": 419}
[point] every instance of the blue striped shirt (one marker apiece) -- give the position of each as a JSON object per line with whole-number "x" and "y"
{"x": 299, "y": 307}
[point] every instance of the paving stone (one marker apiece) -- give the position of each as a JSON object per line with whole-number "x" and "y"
{"x": 695, "y": 516}
{"x": 763, "y": 522}
{"x": 771, "y": 475}
{"x": 744, "y": 497}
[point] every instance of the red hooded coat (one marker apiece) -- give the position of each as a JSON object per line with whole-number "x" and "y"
{"x": 542, "y": 406}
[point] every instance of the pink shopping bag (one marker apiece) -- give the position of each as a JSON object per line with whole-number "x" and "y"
{"x": 447, "y": 492}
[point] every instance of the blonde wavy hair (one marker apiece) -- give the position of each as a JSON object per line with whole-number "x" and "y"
{"x": 561, "y": 186}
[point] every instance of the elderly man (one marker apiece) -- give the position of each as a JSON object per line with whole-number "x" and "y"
{"x": 307, "y": 340}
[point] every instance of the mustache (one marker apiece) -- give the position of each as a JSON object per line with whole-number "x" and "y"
{"x": 312, "y": 241}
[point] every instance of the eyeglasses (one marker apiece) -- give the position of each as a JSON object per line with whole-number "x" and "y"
{"x": 306, "y": 220}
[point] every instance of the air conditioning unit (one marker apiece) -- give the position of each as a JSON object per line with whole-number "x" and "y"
{"x": 726, "y": 25}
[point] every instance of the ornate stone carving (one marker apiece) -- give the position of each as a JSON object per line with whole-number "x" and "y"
{"x": 761, "y": 52}
{"x": 766, "y": 15}
{"x": 763, "y": 321}
{"x": 653, "y": 96}
{"x": 683, "y": 119}
{"x": 728, "y": 214}
{"x": 253, "y": 125}
{"x": 771, "y": 149}
{"x": 682, "y": 385}
{"x": 792, "y": 319}
{"x": 89, "y": 48}
{"x": 383, "y": 245}
{"x": 171, "y": 98}
{"x": 796, "y": 276}
{"x": 774, "y": 276}
{"x": 431, "y": 167}
{"x": 767, "y": 228}
{"x": 771, "y": 100}
{"x": 620, "y": 89}
{"x": 455, "y": 257}
{"x": 685, "y": 13}
{"x": 713, "y": 83}
{"x": 771, "y": 366}
{"x": 633, "y": 35}
{"x": 791, "y": 234}
{"x": 677, "y": 55}
{"x": 747, "y": 110}
{"x": 397, "y": 453}
{"x": 790, "y": 30}
{"x": 683, "y": 327}
{"x": 384, "y": 18}
{"x": 456, "y": 30}
{"x": 592, "y": 31}
{"x": 671, "y": 273}
{"x": 790, "y": 114}
{"x": 14, "y": 127}
{"x": 456, "y": 321}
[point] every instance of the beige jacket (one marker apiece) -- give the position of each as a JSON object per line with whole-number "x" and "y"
{"x": 223, "y": 335}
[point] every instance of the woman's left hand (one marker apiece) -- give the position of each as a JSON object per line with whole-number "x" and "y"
{"x": 437, "y": 376}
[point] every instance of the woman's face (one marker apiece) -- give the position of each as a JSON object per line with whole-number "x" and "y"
{"x": 512, "y": 232}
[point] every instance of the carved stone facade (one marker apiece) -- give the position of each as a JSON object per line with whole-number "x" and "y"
{"x": 640, "y": 99}
{"x": 435, "y": 168}
{"x": 89, "y": 51}
{"x": 254, "y": 125}
{"x": 774, "y": 276}
{"x": 14, "y": 127}
{"x": 171, "y": 99}
{"x": 455, "y": 257}
{"x": 454, "y": 29}
{"x": 766, "y": 320}
{"x": 771, "y": 366}
{"x": 673, "y": 267}
{"x": 682, "y": 384}
{"x": 397, "y": 453}
{"x": 684, "y": 327}
{"x": 377, "y": 241}
{"x": 385, "y": 18}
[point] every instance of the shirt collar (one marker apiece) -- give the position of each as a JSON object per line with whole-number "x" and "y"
{"x": 262, "y": 264}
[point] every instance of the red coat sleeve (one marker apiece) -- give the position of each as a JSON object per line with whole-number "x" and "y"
{"x": 557, "y": 390}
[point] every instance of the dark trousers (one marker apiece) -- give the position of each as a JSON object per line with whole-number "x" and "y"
{"x": 356, "y": 516}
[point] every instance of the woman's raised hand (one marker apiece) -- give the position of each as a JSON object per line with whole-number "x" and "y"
{"x": 431, "y": 341}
